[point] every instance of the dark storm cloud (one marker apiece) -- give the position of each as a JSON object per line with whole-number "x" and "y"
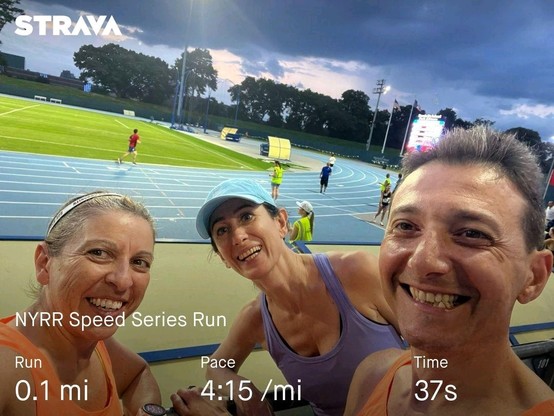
{"x": 497, "y": 48}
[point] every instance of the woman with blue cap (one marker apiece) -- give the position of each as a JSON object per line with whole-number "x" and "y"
{"x": 317, "y": 315}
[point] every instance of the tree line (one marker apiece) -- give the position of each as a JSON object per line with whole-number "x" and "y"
{"x": 128, "y": 74}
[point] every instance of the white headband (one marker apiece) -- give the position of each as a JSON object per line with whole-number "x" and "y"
{"x": 76, "y": 203}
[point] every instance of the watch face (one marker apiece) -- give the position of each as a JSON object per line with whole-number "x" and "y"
{"x": 154, "y": 409}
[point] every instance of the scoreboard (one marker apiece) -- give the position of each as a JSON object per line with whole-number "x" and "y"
{"x": 427, "y": 130}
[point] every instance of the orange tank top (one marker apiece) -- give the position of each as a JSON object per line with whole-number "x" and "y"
{"x": 376, "y": 405}
{"x": 377, "y": 402}
{"x": 51, "y": 403}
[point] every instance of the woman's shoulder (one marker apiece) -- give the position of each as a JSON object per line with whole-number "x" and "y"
{"x": 354, "y": 263}
{"x": 358, "y": 272}
{"x": 250, "y": 315}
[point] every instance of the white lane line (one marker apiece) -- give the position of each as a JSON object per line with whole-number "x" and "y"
{"x": 19, "y": 109}
{"x": 162, "y": 191}
{"x": 117, "y": 121}
{"x": 71, "y": 167}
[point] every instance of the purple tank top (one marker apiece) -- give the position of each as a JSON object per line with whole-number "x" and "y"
{"x": 324, "y": 380}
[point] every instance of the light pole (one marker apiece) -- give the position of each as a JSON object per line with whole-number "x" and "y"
{"x": 237, "y": 109}
{"x": 181, "y": 88}
{"x": 175, "y": 99}
{"x": 394, "y": 107}
{"x": 207, "y": 111}
{"x": 183, "y": 67}
{"x": 381, "y": 89}
{"x": 407, "y": 128}
{"x": 176, "y": 122}
{"x": 238, "y": 99}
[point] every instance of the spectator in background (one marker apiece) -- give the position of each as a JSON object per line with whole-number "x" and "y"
{"x": 324, "y": 177}
{"x": 454, "y": 260}
{"x": 549, "y": 212}
{"x": 384, "y": 202}
{"x": 303, "y": 229}
{"x": 276, "y": 179}
{"x": 398, "y": 182}
{"x": 386, "y": 182}
{"x": 332, "y": 160}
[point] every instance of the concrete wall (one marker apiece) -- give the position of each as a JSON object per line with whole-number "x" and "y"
{"x": 185, "y": 280}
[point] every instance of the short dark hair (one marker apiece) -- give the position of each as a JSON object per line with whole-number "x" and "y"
{"x": 502, "y": 152}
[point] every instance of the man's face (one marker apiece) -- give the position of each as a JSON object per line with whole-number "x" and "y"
{"x": 550, "y": 204}
{"x": 453, "y": 260}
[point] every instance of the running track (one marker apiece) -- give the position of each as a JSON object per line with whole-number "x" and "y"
{"x": 33, "y": 186}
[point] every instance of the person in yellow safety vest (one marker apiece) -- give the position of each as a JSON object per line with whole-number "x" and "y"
{"x": 276, "y": 179}
{"x": 303, "y": 228}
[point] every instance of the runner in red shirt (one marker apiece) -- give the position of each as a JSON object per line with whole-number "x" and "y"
{"x": 134, "y": 139}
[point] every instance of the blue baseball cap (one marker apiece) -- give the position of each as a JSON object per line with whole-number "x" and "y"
{"x": 232, "y": 188}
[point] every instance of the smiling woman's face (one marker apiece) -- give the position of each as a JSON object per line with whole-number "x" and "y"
{"x": 103, "y": 271}
{"x": 247, "y": 237}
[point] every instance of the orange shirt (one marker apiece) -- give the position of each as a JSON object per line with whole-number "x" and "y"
{"x": 52, "y": 403}
{"x": 542, "y": 409}
{"x": 377, "y": 402}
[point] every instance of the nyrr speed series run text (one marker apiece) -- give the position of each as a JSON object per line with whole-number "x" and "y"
{"x": 137, "y": 319}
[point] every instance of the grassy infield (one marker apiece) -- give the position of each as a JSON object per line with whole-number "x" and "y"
{"x": 36, "y": 127}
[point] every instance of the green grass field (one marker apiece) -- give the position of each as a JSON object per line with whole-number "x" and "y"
{"x": 35, "y": 127}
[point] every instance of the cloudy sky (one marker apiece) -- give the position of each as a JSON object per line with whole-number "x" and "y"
{"x": 490, "y": 59}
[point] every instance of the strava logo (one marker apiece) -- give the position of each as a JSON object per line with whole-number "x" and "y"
{"x": 63, "y": 26}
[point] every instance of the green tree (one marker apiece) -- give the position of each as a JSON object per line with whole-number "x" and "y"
{"x": 66, "y": 73}
{"x": 200, "y": 76}
{"x": 125, "y": 73}
{"x": 483, "y": 122}
{"x": 199, "y": 72}
{"x": 464, "y": 124}
{"x": 249, "y": 96}
{"x": 529, "y": 137}
{"x": 352, "y": 121}
{"x": 8, "y": 12}
{"x": 449, "y": 116}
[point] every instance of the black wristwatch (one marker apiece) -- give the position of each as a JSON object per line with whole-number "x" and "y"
{"x": 154, "y": 409}
{"x": 232, "y": 407}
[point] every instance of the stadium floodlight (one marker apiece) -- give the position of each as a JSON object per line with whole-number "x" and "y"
{"x": 381, "y": 89}
{"x": 181, "y": 89}
{"x": 176, "y": 121}
{"x": 183, "y": 80}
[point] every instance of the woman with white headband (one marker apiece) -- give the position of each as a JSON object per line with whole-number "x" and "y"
{"x": 93, "y": 268}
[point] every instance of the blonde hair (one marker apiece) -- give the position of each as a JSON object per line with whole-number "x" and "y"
{"x": 72, "y": 216}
